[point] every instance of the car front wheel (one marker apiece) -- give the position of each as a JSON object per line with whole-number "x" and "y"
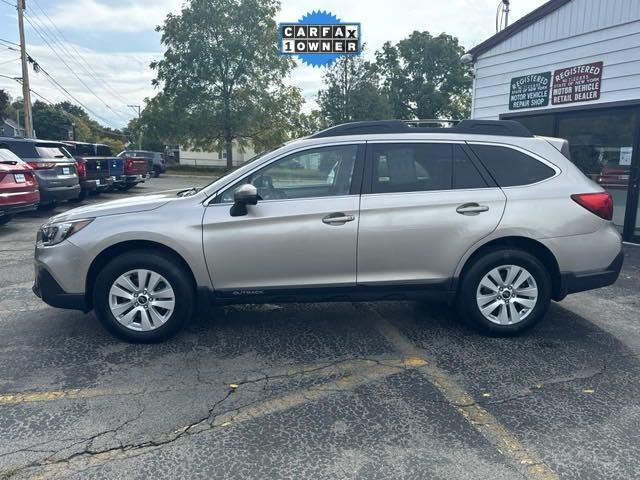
{"x": 505, "y": 292}
{"x": 143, "y": 297}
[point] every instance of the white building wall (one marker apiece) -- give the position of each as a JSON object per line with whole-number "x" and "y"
{"x": 580, "y": 32}
{"x": 212, "y": 159}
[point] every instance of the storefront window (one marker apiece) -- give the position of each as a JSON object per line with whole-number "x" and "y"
{"x": 601, "y": 146}
{"x": 538, "y": 124}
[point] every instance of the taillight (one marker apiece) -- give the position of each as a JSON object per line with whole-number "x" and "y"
{"x": 41, "y": 165}
{"x": 82, "y": 169}
{"x": 128, "y": 164}
{"x": 600, "y": 204}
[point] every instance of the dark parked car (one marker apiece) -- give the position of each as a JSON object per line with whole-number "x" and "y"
{"x": 18, "y": 186}
{"x": 93, "y": 170}
{"x": 157, "y": 162}
{"x": 53, "y": 165}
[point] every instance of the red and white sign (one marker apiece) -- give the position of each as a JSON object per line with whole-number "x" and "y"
{"x": 580, "y": 83}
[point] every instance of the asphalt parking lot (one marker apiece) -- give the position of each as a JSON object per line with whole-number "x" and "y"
{"x": 390, "y": 390}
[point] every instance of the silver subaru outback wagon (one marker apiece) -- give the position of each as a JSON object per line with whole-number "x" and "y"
{"x": 482, "y": 213}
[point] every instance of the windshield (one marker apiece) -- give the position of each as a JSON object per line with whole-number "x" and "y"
{"x": 103, "y": 151}
{"x": 82, "y": 150}
{"x": 52, "y": 151}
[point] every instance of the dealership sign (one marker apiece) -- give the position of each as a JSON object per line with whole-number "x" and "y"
{"x": 577, "y": 84}
{"x": 530, "y": 91}
{"x": 580, "y": 83}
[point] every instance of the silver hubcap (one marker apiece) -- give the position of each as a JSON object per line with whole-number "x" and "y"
{"x": 141, "y": 300}
{"x": 507, "y": 295}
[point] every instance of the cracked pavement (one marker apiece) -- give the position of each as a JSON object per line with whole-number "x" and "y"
{"x": 389, "y": 390}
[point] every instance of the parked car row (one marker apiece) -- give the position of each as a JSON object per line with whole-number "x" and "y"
{"x": 41, "y": 173}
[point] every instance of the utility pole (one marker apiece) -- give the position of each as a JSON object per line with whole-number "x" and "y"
{"x": 26, "y": 91}
{"x": 137, "y": 107}
{"x": 506, "y": 13}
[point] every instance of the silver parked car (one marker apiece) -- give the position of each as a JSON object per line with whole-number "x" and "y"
{"x": 482, "y": 213}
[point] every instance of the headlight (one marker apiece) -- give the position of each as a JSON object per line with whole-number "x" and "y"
{"x": 53, "y": 233}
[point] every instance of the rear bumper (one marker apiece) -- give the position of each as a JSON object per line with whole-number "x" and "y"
{"x": 89, "y": 185}
{"x": 46, "y": 288}
{"x": 19, "y": 208}
{"x": 580, "y": 282}
{"x": 134, "y": 178}
{"x": 59, "y": 194}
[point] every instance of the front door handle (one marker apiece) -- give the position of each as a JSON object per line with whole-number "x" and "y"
{"x": 471, "y": 209}
{"x": 338, "y": 218}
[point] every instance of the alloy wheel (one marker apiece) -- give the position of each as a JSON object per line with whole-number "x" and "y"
{"x": 507, "y": 295}
{"x": 141, "y": 300}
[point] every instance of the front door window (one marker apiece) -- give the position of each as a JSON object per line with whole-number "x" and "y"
{"x": 318, "y": 172}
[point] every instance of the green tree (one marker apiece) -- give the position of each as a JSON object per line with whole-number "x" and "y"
{"x": 352, "y": 92}
{"x": 4, "y": 105}
{"x": 221, "y": 71}
{"x": 50, "y": 122}
{"x": 423, "y": 77}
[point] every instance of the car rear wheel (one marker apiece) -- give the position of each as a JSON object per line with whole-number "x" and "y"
{"x": 143, "y": 297}
{"x": 5, "y": 219}
{"x": 505, "y": 292}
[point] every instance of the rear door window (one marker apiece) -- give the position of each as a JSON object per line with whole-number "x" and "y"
{"x": 510, "y": 167}
{"x": 465, "y": 173}
{"x": 411, "y": 167}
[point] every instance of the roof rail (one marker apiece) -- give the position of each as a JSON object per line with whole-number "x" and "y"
{"x": 509, "y": 128}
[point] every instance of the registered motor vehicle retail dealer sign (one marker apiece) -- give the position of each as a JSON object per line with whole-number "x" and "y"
{"x": 530, "y": 91}
{"x": 580, "y": 83}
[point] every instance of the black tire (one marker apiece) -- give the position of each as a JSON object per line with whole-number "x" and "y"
{"x": 156, "y": 171}
{"x": 5, "y": 219}
{"x": 81, "y": 196}
{"x": 45, "y": 207}
{"x": 126, "y": 187}
{"x": 468, "y": 306}
{"x": 160, "y": 263}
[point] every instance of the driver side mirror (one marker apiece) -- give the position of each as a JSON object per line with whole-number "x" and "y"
{"x": 244, "y": 195}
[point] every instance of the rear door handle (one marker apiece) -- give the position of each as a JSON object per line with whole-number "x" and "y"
{"x": 471, "y": 209}
{"x": 338, "y": 218}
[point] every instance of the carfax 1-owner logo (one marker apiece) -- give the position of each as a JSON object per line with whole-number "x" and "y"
{"x": 319, "y": 38}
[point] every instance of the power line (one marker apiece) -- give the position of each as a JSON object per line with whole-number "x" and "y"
{"x": 42, "y": 36}
{"x": 2, "y": 40}
{"x": 89, "y": 70}
{"x": 8, "y": 3}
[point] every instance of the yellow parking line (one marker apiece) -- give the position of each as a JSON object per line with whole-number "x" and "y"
{"x": 28, "y": 397}
{"x": 480, "y": 419}
{"x": 352, "y": 374}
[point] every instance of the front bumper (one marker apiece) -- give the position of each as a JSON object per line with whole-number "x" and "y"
{"x": 580, "y": 282}
{"x": 46, "y": 288}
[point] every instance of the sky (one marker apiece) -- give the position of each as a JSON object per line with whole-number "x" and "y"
{"x": 110, "y": 43}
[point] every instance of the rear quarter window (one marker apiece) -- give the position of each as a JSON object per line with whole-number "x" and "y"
{"x": 510, "y": 167}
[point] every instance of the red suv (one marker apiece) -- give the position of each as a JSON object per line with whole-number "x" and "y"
{"x": 18, "y": 186}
